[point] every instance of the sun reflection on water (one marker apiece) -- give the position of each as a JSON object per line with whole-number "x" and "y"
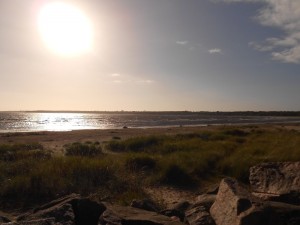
{"x": 65, "y": 121}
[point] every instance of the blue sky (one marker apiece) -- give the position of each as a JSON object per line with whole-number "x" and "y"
{"x": 198, "y": 55}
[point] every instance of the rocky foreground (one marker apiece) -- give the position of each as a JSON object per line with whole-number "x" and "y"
{"x": 274, "y": 199}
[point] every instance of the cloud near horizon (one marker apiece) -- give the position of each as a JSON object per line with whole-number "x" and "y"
{"x": 215, "y": 51}
{"x": 182, "y": 42}
{"x": 282, "y": 14}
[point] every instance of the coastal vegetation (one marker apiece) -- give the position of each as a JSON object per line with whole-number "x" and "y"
{"x": 119, "y": 170}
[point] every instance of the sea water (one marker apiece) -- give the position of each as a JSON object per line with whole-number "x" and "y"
{"x": 65, "y": 121}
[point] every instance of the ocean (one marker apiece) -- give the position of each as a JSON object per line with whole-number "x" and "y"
{"x": 66, "y": 121}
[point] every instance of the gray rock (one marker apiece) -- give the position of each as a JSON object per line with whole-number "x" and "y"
{"x": 62, "y": 213}
{"x": 277, "y": 213}
{"x": 234, "y": 205}
{"x": 4, "y": 219}
{"x": 68, "y": 211}
{"x": 276, "y": 178}
{"x": 145, "y": 204}
{"x": 121, "y": 215}
{"x": 173, "y": 213}
{"x": 87, "y": 212}
{"x": 199, "y": 215}
{"x": 60, "y": 209}
{"x": 48, "y": 221}
{"x": 205, "y": 200}
{"x": 181, "y": 206}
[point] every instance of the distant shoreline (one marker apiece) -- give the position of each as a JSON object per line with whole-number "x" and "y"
{"x": 11, "y": 122}
{"x": 221, "y": 113}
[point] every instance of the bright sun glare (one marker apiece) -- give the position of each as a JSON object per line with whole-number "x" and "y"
{"x": 65, "y": 29}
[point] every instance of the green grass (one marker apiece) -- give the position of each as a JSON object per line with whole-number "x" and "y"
{"x": 29, "y": 175}
{"x": 83, "y": 149}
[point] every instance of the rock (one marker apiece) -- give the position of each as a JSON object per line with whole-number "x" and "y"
{"x": 61, "y": 210}
{"x": 205, "y": 200}
{"x": 181, "y": 206}
{"x": 68, "y": 211}
{"x": 277, "y": 213}
{"x": 4, "y": 218}
{"x": 276, "y": 178}
{"x": 234, "y": 205}
{"x": 199, "y": 215}
{"x": 212, "y": 189}
{"x": 48, "y": 221}
{"x": 121, "y": 215}
{"x": 145, "y": 204}
{"x": 173, "y": 213}
{"x": 60, "y": 201}
{"x": 87, "y": 211}
{"x": 60, "y": 214}
{"x": 291, "y": 198}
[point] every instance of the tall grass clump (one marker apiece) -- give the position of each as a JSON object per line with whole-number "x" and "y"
{"x": 140, "y": 162}
{"x": 138, "y": 144}
{"x": 83, "y": 149}
{"x": 228, "y": 151}
{"x": 25, "y": 182}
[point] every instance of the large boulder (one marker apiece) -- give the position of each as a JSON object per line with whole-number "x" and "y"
{"x": 60, "y": 210}
{"x": 276, "y": 181}
{"x": 69, "y": 210}
{"x": 275, "y": 178}
{"x": 122, "y": 215}
{"x": 234, "y": 205}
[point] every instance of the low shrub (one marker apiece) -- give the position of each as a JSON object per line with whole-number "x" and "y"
{"x": 116, "y": 146}
{"x": 83, "y": 149}
{"x": 139, "y": 163}
{"x": 175, "y": 175}
{"x": 138, "y": 144}
{"x": 22, "y": 151}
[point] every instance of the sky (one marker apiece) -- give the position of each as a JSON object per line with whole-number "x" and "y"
{"x": 155, "y": 55}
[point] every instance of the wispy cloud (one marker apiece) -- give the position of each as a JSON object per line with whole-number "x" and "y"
{"x": 232, "y": 1}
{"x": 117, "y": 78}
{"x": 182, "y": 42}
{"x": 282, "y": 14}
{"x": 115, "y": 75}
{"x": 144, "y": 81}
{"x": 215, "y": 51}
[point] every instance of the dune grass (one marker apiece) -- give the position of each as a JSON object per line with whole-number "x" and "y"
{"x": 30, "y": 175}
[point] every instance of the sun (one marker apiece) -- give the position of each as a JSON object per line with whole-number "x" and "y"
{"x": 65, "y": 29}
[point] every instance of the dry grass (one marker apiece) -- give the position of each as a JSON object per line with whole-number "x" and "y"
{"x": 29, "y": 175}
